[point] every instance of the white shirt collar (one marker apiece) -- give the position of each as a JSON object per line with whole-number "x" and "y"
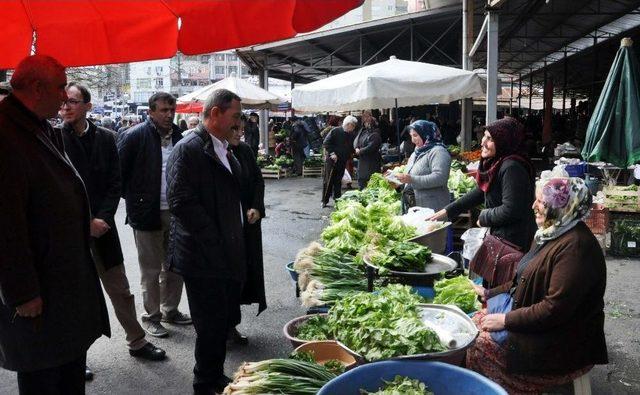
{"x": 217, "y": 143}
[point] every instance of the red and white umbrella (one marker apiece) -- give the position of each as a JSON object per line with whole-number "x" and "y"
{"x": 93, "y": 32}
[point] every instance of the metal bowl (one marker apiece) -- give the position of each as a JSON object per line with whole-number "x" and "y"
{"x": 438, "y": 264}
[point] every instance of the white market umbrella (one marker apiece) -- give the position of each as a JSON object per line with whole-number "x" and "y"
{"x": 380, "y": 85}
{"x": 252, "y": 96}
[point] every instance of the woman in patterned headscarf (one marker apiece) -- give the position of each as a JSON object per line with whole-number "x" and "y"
{"x": 425, "y": 180}
{"x": 553, "y": 331}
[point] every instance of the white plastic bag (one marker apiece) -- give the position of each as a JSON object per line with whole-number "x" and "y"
{"x": 472, "y": 241}
{"x": 346, "y": 177}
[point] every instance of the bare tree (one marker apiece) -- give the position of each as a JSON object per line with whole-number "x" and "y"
{"x": 102, "y": 80}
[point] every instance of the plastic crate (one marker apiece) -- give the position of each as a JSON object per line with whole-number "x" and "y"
{"x": 576, "y": 170}
{"x": 625, "y": 236}
{"x": 598, "y": 219}
{"x": 630, "y": 199}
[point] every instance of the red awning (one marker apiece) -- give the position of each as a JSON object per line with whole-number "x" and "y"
{"x": 187, "y": 108}
{"x": 92, "y": 32}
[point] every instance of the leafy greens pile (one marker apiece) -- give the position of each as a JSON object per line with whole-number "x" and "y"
{"x": 402, "y": 385}
{"x": 315, "y": 328}
{"x": 382, "y": 325}
{"x": 460, "y": 183}
{"x": 404, "y": 256}
{"x": 457, "y": 291}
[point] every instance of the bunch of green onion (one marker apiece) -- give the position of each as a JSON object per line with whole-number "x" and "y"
{"x": 279, "y": 376}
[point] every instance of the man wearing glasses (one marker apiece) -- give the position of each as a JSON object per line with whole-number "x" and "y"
{"x": 51, "y": 305}
{"x": 92, "y": 150}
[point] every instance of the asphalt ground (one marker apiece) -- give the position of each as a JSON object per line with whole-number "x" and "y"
{"x": 294, "y": 218}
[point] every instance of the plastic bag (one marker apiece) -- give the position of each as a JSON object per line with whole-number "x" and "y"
{"x": 346, "y": 177}
{"x": 472, "y": 241}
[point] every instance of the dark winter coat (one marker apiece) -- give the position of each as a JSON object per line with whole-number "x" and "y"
{"x": 339, "y": 142}
{"x": 207, "y": 235}
{"x": 369, "y": 158}
{"x": 44, "y": 248}
{"x": 140, "y": 154}
{"x": 252, "y": 195}
{"x": 299, "y": 136}
{"x": 101, "y": 175}
{"x": 508, "y": 205}
{"x": 252, "y": 136}
{"x": 557, "y": 322}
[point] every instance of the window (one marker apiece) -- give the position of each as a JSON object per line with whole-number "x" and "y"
{"x": 219, "y": 70}
{"x": 232, "y": 57}
{"x": 159, "y": 82}
{"x": 149, "y": 70}
{"x": 233, "y": 69}
{"x": 159, "y": 70}
{"x": 244, "y": 70}
{"x": 204, "y": 59}
{"x": 143, "y": 83}
{"x": 219, "y": 56}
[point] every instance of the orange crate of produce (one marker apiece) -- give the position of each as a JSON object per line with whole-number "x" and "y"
{"x": 598, "y": 219}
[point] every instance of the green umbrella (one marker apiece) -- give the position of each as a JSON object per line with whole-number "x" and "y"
{"x": 613, "y": 134}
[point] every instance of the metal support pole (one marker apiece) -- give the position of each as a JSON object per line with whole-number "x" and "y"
{"x": 466, "y": 121}
{"x": 592, "y": 94}
{"x": 564, "y": 84}
{"x": 264, "y": 114}
{"x": 520, "y": 94}
{"x": 492, "y": 67}
{"x": 544, "y": 86}
{"x": 411, "y": 42}
{"x": 511, "y": 99}
{"x": 530, "y": 89}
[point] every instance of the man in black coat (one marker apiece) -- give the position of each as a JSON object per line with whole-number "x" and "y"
{"x": 252, "y": 197}
{"x": 207, "y": 244}
{"x": 51, "y": 305}
{"x": 299, "y": 137}
{"x": 92, "y": 150}
{"x": 252, "y": 132}
{"x": 338, "y": 148}
{"x": 144, "y": 151}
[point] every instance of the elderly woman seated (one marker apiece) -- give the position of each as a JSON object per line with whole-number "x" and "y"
{"x": 545, "y": 328}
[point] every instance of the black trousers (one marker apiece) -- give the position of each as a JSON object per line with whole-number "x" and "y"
{"x": 213, "y": 303}
{"x": 67, "y": 379}
{"x": 332, "y": 183}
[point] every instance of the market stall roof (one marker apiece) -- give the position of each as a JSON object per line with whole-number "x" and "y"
{"x": 530, "y": 33}
{"x": 386, "y": 84}
{"x": 87, "y": 32}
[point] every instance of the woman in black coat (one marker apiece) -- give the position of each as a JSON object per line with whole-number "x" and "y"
{"x": 505, "y": 185}
{"x": 252, "y": 198}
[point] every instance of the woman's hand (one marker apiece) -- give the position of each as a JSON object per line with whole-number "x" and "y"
{"x": 480, "y": 291}
{"x": 404, "y": 178}
{"x": 492, "y": 322}
{"x": 436, "y": 216}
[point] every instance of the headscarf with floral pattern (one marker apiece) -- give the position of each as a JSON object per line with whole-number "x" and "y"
{"x": 567, "y": 201}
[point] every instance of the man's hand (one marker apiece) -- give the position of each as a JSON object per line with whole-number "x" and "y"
{"x": 357, "y": 151}
{"x": 99, "y": 227}
{"x": 493, "y": 322}
{"x": 333, "y": 157}
{"x": 253, "y": 215}
{"x": 32, "y": 308}
{"x": 479, "y": 290}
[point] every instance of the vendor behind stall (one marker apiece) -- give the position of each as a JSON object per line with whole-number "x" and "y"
{"x": 553, "y": 332}
{"x": 425, "y": 181}
{"x": 505, "y": 181}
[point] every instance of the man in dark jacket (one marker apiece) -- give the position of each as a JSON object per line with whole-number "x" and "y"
{"x": 252, "y": 133}
{"x": 298, "y": 142}
{"x": 51, "y": 305}
{"x": 92, "y": 150}
{"x": 252, "y": 197}
{"x": 144, "y": 150}
{"x": 338, "y": 147}
{"x": 207, "y": 237}
{"x": 367, "y": 148}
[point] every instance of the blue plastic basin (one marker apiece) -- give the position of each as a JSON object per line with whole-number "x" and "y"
{"x": 441, "y": 378}
{"x": 292, "y": 272}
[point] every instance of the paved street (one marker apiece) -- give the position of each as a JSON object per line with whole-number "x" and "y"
{"x": 294, "y": 219}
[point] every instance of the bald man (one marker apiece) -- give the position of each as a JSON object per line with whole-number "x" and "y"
{"x": 51, "y": 305}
